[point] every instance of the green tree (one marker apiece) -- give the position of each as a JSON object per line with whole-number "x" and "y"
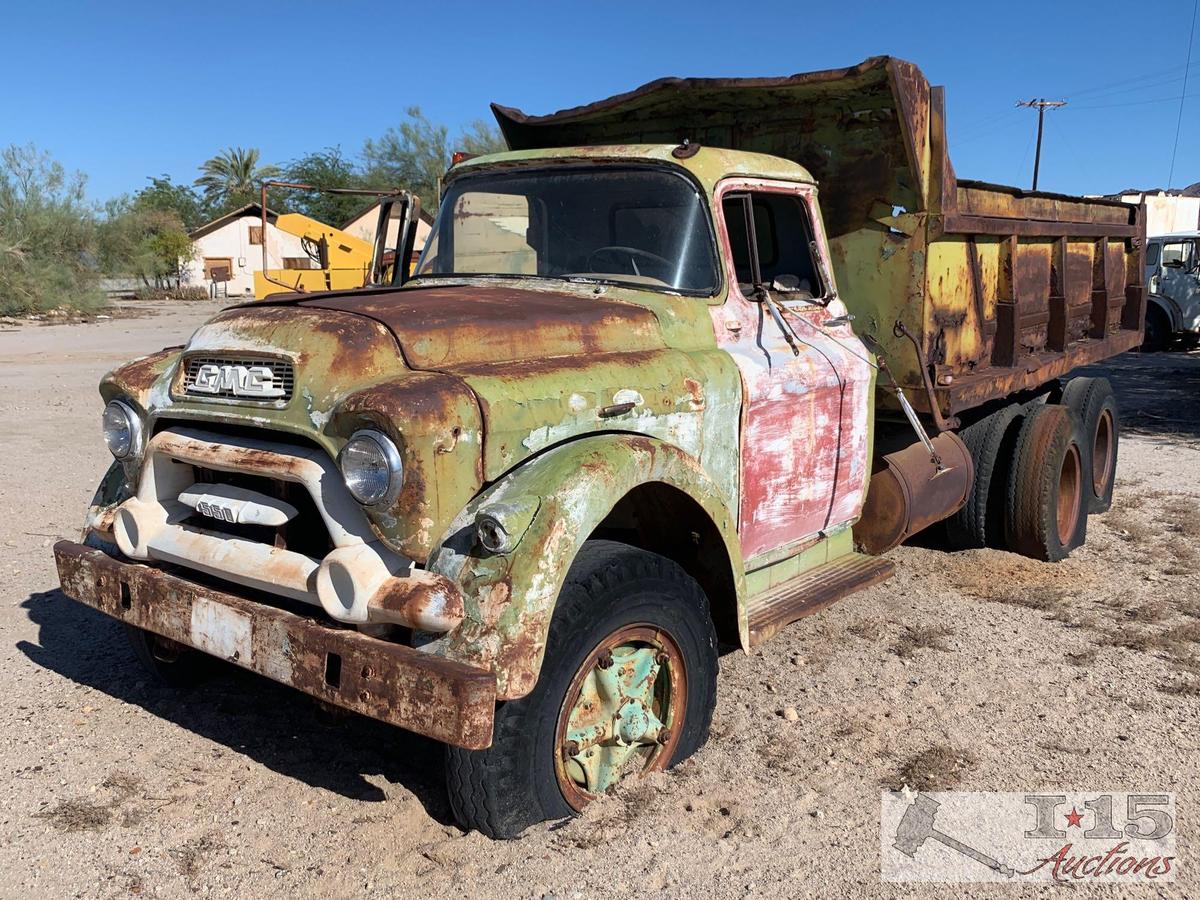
{"x": 231, "y": 178}
{"x": 326, "y": 168}
{"x": 416, "y": 153}
{"x": 164, "y": 195}
{"x": 136, "y": 239}
{"x": 47, "y": 235}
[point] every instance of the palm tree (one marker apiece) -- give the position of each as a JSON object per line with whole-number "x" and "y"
{"x": 233, "y": 177}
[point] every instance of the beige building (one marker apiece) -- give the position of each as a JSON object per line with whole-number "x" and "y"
{"x": 1168, "y": 212}
{"x": 364, "y": 224}
{"x": 228, "y": 251}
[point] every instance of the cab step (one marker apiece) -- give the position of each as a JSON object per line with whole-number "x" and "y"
{"x": 811, "y": 592}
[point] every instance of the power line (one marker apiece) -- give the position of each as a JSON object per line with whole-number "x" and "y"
{"x": 1183, "y": 93}
{"x": 1135, "y": 102}
{"x": 1041, "y": 105}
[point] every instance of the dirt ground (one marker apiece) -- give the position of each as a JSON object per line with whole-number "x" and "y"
{"x": 977, "y": 670}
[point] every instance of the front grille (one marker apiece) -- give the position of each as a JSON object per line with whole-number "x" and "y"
{"x": 306, "y": 533}
{"x": 237, "y": 378}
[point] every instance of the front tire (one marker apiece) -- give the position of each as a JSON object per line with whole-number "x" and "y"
{"x": 1158, "y": 330}
{"x": 170, "y": 662}
{"x": 627, "y": 686}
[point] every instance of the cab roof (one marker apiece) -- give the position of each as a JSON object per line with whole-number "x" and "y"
{"x": 708, "y": 164}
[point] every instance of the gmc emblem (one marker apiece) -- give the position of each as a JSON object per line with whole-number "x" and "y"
{"x": 257, "y": 382}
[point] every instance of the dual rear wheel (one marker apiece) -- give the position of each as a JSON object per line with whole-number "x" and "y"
{"x": 1040, "y": 469}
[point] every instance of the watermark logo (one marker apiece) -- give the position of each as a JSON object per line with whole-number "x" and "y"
{"x": 1063, "y": 837}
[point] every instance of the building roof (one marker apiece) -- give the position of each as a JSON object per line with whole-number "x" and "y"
{"x": 250, "y": 209}
{"x": 1192, "y": 190}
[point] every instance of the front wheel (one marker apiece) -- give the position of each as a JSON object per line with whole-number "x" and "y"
{"x": 1158, "y": 330}
{"x": 627, "y": 686}
{"x": 170, "y": 662}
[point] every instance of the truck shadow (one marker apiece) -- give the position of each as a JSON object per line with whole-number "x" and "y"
{"x": 1158, "y": 394}
{"x": 275, "y": 726}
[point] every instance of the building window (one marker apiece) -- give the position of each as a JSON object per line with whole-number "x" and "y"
{"x": 256, "y": 234}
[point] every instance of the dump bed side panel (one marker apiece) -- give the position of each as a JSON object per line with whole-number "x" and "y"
{"x": 1003, "y": 289}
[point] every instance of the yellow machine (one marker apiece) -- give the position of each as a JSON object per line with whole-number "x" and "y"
{"x": 338, "y": 260}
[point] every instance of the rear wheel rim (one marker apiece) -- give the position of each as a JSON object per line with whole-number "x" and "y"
{"x": 1069, "y": 495}
{"x": 622, "y": 713}
{"x": 1102, "y": 453}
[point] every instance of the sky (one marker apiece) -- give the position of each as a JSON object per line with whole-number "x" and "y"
{"x": 125, "y": 90}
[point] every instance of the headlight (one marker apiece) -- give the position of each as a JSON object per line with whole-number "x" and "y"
{"x": 372, "y": 468}
{"x": 122, "y": 430}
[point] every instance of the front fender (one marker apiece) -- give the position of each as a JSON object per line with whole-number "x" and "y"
{"x": 1173, "y": 310}
{"x": 569, "y": 490}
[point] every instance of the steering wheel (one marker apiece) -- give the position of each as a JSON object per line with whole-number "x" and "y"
{"x": 632, "y": 252}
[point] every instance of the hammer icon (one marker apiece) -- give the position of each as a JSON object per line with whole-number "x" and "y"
{"x": 916, "y": 827}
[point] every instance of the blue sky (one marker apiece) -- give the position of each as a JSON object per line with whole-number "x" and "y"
{"x": 122, "y": 91}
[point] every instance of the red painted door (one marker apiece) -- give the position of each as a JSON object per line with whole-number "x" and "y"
{"x": 805, "y": 417}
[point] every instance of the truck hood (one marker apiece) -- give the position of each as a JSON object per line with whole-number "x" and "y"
{"x": 449, "y": 327}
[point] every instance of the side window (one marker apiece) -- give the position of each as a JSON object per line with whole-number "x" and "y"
{"x": 1178, "y": 255}
{"x": 783, "y": 240}
{"x": 1153, "y": 251}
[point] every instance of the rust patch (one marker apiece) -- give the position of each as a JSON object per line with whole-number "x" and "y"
{"x": 423, "y": 600}
{"x": 450, "y": 326}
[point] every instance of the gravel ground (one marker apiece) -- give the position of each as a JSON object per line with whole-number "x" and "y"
{"x": 977, "y": 670}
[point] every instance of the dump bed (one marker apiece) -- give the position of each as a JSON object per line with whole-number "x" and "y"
{"x": 1003, "y": 289}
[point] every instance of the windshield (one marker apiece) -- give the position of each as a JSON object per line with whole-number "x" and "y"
{"x": 648, "y": 227}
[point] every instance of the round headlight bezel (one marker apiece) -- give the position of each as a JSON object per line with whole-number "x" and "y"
{"x": 133, "y": 423}
{"x": 390, "y": 455}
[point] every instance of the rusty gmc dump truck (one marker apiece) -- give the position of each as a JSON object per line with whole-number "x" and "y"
{"x": 671, "y": 374}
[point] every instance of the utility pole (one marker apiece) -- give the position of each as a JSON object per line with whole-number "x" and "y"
{"x": 1040, "y": 105}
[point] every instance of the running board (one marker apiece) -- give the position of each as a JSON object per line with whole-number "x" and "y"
{"x": 811, "y": 592}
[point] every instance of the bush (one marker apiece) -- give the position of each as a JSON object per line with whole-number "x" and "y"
{"x": 47, "y": 236}
{"x": 186, "y": 292}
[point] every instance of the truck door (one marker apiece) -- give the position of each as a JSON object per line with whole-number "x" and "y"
{"x": 805, "y": 416}
{"x": 1179, "y": 280}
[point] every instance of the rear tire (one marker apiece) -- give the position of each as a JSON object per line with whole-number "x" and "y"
{"x": 170, "y": 662}
{"x": 611, "y": 590}
{"x": 980, "y": 523}
{"x": 1093, "y": 401}
{"x": 1046, "y": 508}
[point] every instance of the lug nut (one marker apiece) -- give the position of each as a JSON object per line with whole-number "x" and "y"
{"x": 664, "y": 736}
{"x": 571, "y": 748}
{"x": 662, "y": 659}
{"x": 604, "y": 660}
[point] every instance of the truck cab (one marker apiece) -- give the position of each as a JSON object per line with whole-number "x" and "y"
{"x": 1173, "y": 288}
